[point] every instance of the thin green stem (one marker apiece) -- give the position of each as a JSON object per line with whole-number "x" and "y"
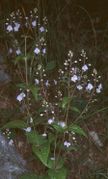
{"x": 25, "y": 58}
{"x": 55, "y": 146}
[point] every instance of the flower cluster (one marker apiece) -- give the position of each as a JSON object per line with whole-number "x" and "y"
{"x": 80, "y": 75}
{"x": 20, "y": 24}
{"x": 18, "y": 20}
{"x": 77, "y": 78}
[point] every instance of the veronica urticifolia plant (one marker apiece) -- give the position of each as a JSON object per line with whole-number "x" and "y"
{"x": 51, "y": 104}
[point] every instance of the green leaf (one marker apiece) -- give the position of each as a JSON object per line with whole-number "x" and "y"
{"x": 15, "y": 124}
{"x": 75, "y": 109}
{"x": 32, "y": 176}
{"x": 51, "y": 137}
{"x": 76, "y": 129}
{"x": 29, "y": 176}
{"x": 55, "y": 164}
{"x": 34, "y": 138}
{"x": 42, "y": 152}
{"x": 57, "y": 174}
{"x": 35, "y": 92}
{"x": 51, "y": 65}
{"x": 58, "y": 128}
{"x": 65, "y": 102}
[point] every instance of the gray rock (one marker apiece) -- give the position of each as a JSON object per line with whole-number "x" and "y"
{"x": 4, "y": 77}
{"x": 96, "y": 138}
{"x": 11, "y": 163}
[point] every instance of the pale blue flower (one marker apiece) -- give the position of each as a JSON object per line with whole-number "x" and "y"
{"x": 9, "y": 28}
{"x": 36, "y": 81}
{"x": 44, "y": 51}
{"x": 28, "y": 129}
{"x": 21, "y": 96}
{"x": 62, "y": 124}
{"x": 18, "y": 51}
{"x": 47, "y": 83}
{"x": 67, "y": 144}
{"x": 50, "y": 121}
{"x": 36, "y": 50}
{"x": 34, "y": 23}
{"x": 89, "y": 87}
{"x": 16, "y": 27}
{"x": 42, "y": 29}
{"x": 85, "y": 68}
{"x": 74, "y": 78}
{"x": 99, "y": 88}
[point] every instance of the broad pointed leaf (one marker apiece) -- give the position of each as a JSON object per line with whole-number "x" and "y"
{"x": 15, "y": 124}
{"x": 76, "y": 129}
{"x": 34, "y": 138}
{"x": 42, "y": 152}
{"x": 58, "y": 174}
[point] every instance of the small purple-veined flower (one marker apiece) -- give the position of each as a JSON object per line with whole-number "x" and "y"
{"x": 36, "y": 50}
{"x": 62, "y": 124}
{"x": 89, "y": 87}
{"x": 34, "y": 23}
{"x": 47, "y": 83}
{"x": 21, "y": 96}
{"x": 36, "y": 81}
{"x": 16, "y": 27}
{"x": 44, "y": 50}
{"x": 50, "y": 121}
{"x": 18, "y": 51}
{"x": 99, "y": 88}
{"x": 42, "y": 29}
{"x": 67, "y": 144}
{"x": 28, "y": 129}
{"x": 9, "y": 28}
{"x": 74, "y": 78}
{"x": 85, "y": 68}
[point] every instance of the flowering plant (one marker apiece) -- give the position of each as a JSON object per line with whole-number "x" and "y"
{"x": 51, "y": 103}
